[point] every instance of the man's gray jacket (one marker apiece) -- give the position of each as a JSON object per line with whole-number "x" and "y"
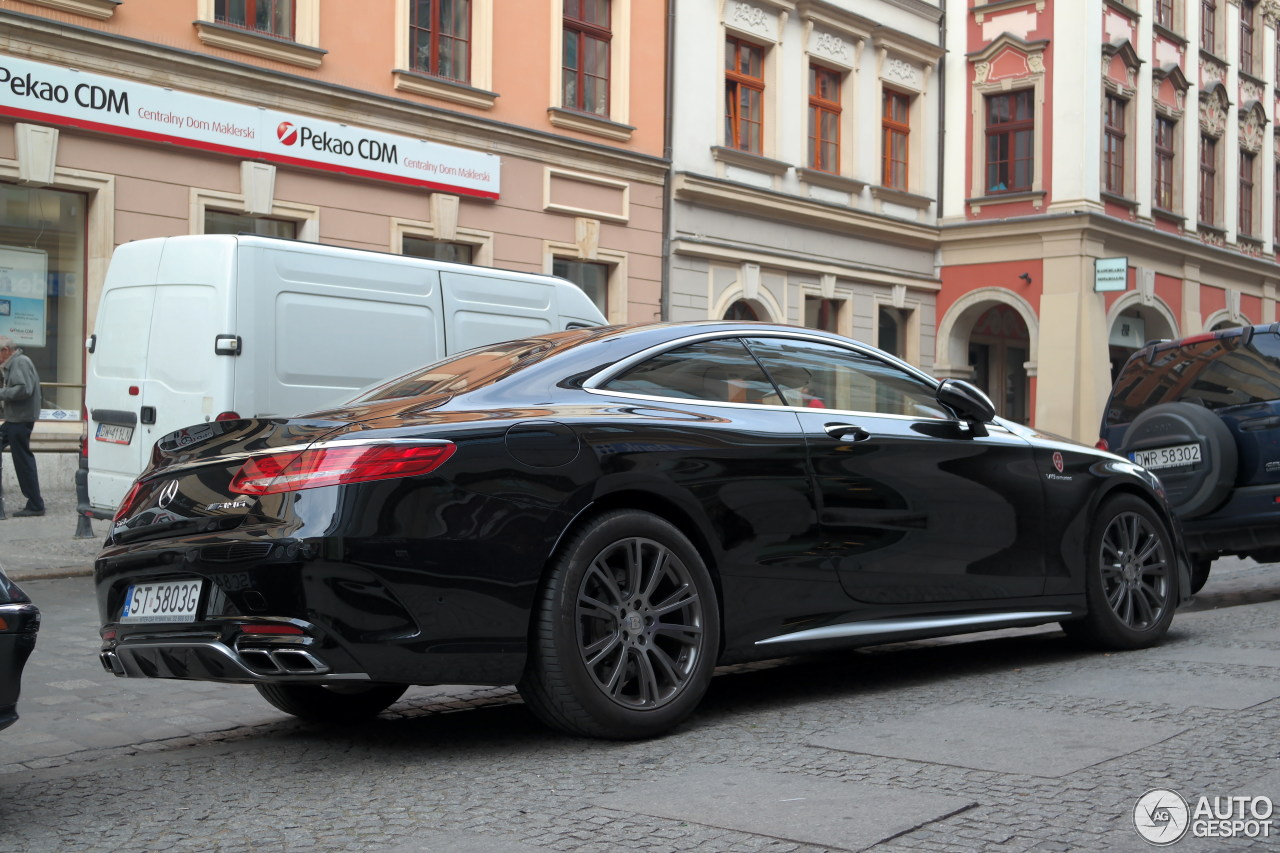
{"x": 19, "y": 389}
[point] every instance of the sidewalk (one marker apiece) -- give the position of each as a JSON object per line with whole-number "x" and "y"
{"x": 46, "y": 547}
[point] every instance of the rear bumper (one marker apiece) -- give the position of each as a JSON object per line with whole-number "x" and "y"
{"x": 1249, "y": 521}
{"x": 16, "y": 645}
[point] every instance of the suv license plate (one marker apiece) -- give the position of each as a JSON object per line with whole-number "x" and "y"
{"x": 174, "y": 601}
{"x": 114, "y": 433}
{"x": 1168, "y": 457}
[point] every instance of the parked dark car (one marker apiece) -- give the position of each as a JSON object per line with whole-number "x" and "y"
{"x": 19, "y": 623}
{"x": 602, "y": 516}
{"x": 1203, "y": 414}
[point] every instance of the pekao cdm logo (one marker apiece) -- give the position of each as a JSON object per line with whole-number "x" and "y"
{"x": 1162, "y": 817}
{"x": 366, "y": 149}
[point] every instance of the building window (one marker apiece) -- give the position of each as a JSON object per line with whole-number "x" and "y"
{"x": 274, "y": 17}
{"x": 1164, "y": 162}
{"x": 896, "y": 124}
{"x": 1276, "y": 193}
{"x": 1208, "y": 178}
{"x": 586, "y": 56}
{"x": 593, "y": 278}
{"x": 1208, "y": 25}
{"x": 821, "y": 313}
{"x": 1010, "y": 140}
{"x": 1246, "y": 37}
{"x": 1164, "y": 13}
{"x": 743, "y": 95}
{"x": 824, "y": 119}
{"x": 440, "y": 38}
{"x": 224, "y": 222}
{"x": 1113, "y": 146}
{"x": 1244, "y": 223}
{"x": 439, "y": 250}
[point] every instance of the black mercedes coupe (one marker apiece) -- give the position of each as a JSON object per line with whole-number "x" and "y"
{"x": 602, "y": 516}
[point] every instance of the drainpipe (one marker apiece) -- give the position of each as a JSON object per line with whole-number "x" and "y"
{"x": 942, "y": 112}
{"x": 664, "y": 309}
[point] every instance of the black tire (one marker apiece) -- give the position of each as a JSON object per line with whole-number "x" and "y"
{"x": 1200, "y": 572}
{"x": 332, "y": 703}
{"x": 1195, "y": 490}
{"x": 625, "y": 632}
{"x": 1131, "y": 577}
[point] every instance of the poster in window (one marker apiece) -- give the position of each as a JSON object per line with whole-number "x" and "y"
{"x": 23, "y": 277}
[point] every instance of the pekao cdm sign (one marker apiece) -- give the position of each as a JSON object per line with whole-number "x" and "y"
{"x": 35, "y": 91}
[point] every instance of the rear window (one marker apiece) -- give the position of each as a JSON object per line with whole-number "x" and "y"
{"x": 464, "y": 372}
{"x": 1215, "y": 373}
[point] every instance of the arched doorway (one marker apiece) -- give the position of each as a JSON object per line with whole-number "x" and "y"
{"x": 741, "y": 309}
{"x": 999, "y": 349}
{"x": 1132, "y": 326}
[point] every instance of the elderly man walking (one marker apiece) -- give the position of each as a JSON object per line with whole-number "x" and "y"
{"x": 19, "y": 409}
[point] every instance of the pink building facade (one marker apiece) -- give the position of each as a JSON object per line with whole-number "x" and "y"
{"x": 530, "y": 142}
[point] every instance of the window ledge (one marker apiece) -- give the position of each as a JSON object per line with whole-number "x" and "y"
{"x": 1116, "y": 198}
{"x": 1212, "y": 229}
{"x": 1171, "y": 35}
{"x": 1252, "y": 242}
{"x": 588, "y": 123}
{"x": 747, "y": 160}
{"x": 831, "y": 181}
{"x": 259, "y": 44}
{"x": 1168, "y": 215}
{"x": 902, "y": 197}
{"x": 99, "y": 9}
{"x": 978, "y": 202}
{"x": 1245, "y": 76}
{"x": 418, "y": 83}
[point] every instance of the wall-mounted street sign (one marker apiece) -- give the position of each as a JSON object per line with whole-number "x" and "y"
{"x": 1110, "y": 274}
{"x": 34, "y": 91}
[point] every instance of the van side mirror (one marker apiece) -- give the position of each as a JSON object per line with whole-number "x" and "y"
{"x": 970, "y": 403}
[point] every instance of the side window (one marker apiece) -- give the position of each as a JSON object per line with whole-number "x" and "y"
{"x": 720, "y": 371}
{"x": 822, "y": 376}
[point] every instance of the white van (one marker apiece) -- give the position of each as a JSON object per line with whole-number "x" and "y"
{"x": 193, "y": 329}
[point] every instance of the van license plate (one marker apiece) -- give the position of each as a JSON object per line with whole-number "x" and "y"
{"x": 1168, "y": 457}
{"x": 174, "y": 601}
{"x": 114, "y": 433}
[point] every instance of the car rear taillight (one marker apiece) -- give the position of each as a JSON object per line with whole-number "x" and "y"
{"x": 336, "y": 464}
{"x": 227, "y": 416}
{"x": 130, "y": 501}
{"x": 1102, "y": 444}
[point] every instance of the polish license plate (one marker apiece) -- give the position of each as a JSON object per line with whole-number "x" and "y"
{"x": 174, "y": 601}
{"x": 1178, "y": 456}
{"x": 114, "y": 433}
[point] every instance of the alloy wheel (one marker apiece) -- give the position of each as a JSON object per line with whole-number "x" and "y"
{"x": 640, "y": 623}
{"x": 1135, "y": 571}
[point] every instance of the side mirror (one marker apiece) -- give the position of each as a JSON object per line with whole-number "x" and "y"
{"x": 966, "y": 400}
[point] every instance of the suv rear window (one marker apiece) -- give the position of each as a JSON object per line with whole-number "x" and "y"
{"x": 1215, "y": 373}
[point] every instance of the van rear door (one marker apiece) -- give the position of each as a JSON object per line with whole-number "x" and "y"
{"x": 485, "y": 309}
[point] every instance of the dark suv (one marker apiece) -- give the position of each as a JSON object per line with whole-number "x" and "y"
{"x": 1203, "y": 414}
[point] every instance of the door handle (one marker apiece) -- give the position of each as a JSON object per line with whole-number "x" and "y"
{"x": 1255, "y": 424}
{"x": 846, "y": 432}
{"x": 148, "y": 415}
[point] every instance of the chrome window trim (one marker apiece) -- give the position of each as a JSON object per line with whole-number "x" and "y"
{"x": 592, "y": 384}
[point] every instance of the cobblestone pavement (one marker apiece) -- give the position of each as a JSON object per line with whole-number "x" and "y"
{"x": 1006, "y": 741}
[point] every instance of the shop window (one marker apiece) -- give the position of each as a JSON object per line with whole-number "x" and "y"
{"x": 273, "y": 17}
{"x": 42, "y": 306}
{"x": 896, "y": 128}
{"x": 585, "y": 75}
{"x": 440, "y": 38}
{"x": 1208, "y": 180}
{"x": 998, "y": 350}
{"x": 225, "y": 222}
{"x": 458, "y": 253}
{"x": 593, "y": 278}
{"x": 891, "y": 331}
{"x": 1010, "y": 132}
{"x": 1165, "y": 162}
{"x": 824, "y": 119}
{"x": 743, "y": 96}
{"x": 1244, "y": 222}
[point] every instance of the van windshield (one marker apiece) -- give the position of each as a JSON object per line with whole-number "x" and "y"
{"x": 1214, "y": 373}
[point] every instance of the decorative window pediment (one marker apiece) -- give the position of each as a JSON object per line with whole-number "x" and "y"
{"x": 1170, "y": 90}
{"x": 1213, "y": 111}
{"x": 1008, "y": 58}
{"x": 758, "y": 19}
{"x": 833, "y": 35}
{"x": 1120, "y": 65}
{"x": 1253, "y": 126}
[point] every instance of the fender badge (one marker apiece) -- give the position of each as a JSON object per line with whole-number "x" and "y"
{"x": 1057, "y": 461}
